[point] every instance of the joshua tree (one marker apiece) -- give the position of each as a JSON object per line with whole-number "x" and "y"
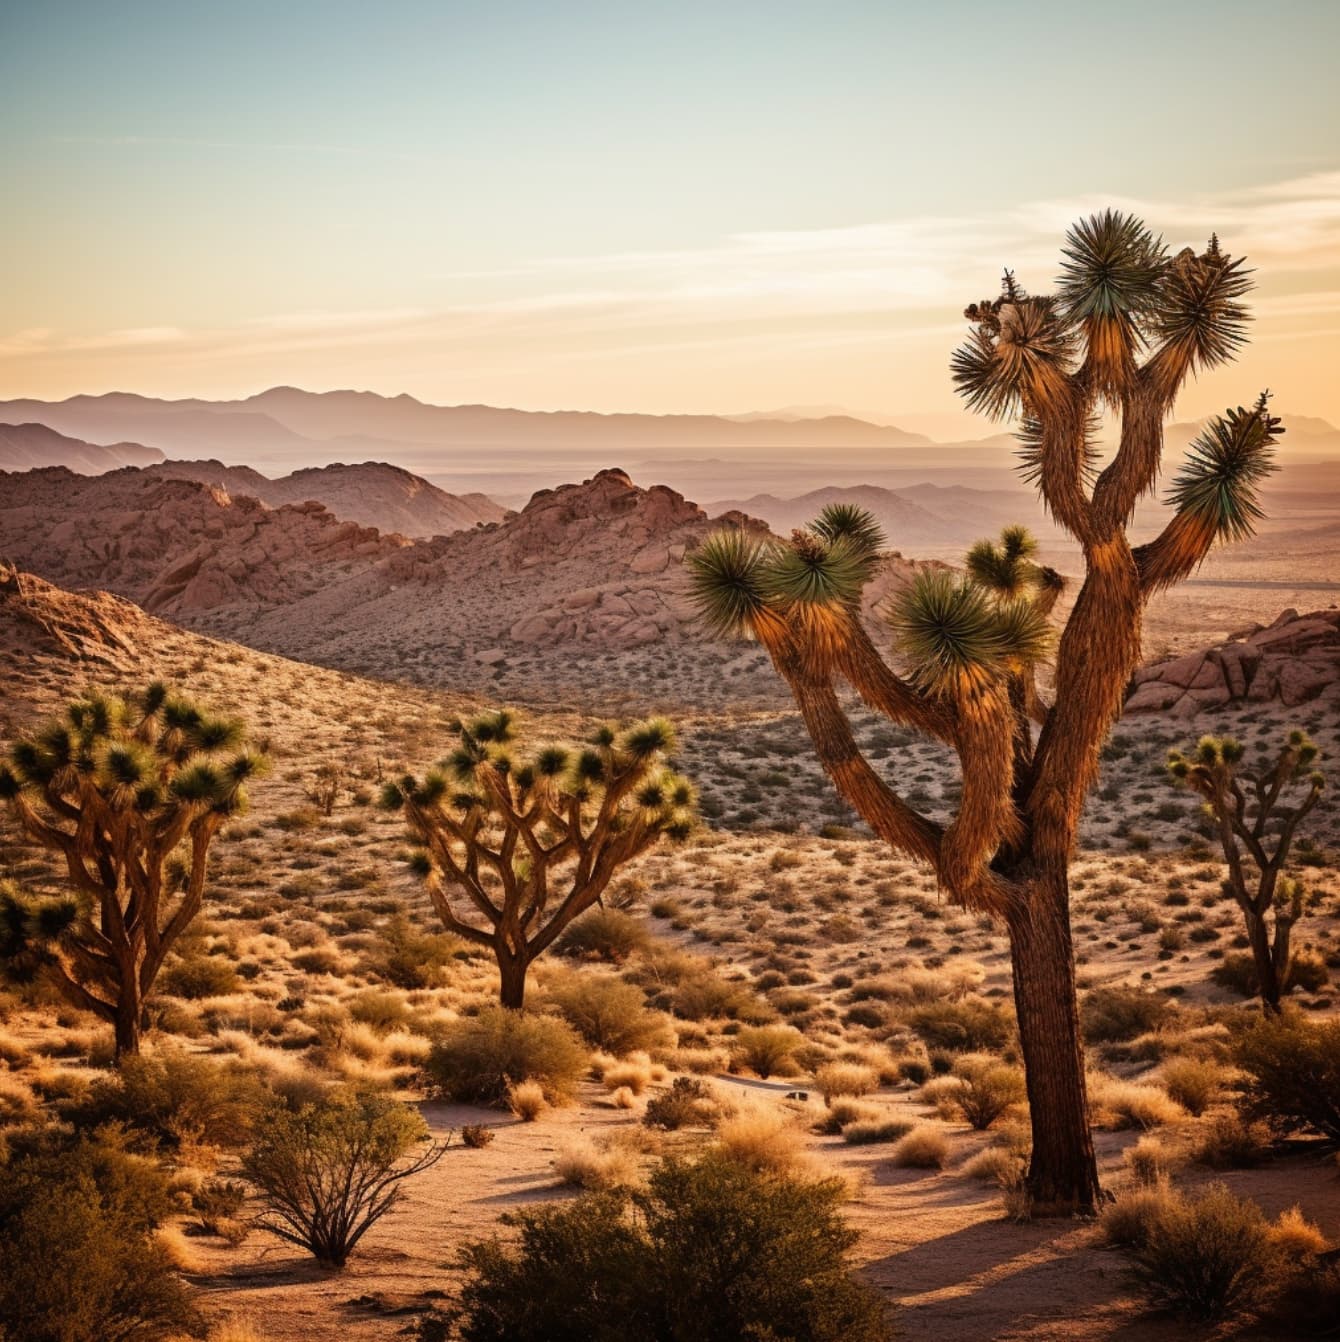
{"x": 129, "y": 795}
{"x": 512, "y": 852}
{"x": 1256, "y": 831}
{"x": 1053, "y": 363}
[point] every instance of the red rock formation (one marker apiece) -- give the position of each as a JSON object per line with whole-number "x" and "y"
{"x": 1292, "y": 661}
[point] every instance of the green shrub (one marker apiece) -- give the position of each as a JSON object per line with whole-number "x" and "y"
{"x": 987, "y": 1093}
{"x": 80, "y": 1260}
{"x": 610, "y": 1014}
{"x": 970, "y": 1025}
{"x": 200, "y": 976}
{"x": 1113, "y": 1015}
{"x": 178, "y": 1098}
{"x": 686, "y": 1104}
{"x": 482, "y": 1057}
{"x": 769, "y": 1050}
{"x": 1195, "y": 1083}
{"x": 632, "y": 1266}
{"x": 329, "y": 1171}
{"x": 1207, "y": 1257}
{"x": 1292, "y": 1074}
{"x": 604, "y": 934}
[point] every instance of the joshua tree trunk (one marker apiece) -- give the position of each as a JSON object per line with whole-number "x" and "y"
{"x": 129, "y": 1017}
{"x": 1062, "y": 1174}
{"x": 512, "y": 969}
{"x": 1267, "y": 975}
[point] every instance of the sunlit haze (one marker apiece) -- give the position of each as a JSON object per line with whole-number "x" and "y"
{"x": 689, "y": 207}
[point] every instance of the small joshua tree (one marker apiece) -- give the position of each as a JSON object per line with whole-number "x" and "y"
{"x": 129, "y": 794}
{"x": 329, "y": 1172}
{"x": 512, "y": 851}
{"x": 1126, "y": 325}
{"x": 1257, "y": 815}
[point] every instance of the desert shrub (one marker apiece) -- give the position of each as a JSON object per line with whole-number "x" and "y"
{"x": 867, "y": 1132}
{"x": 79, "y": 1253}
{"x": 216, "y": 1203}
{"x": 1237, "y": 972}
{"x": 1112, "y": 1015}
{"x": 480, "y": 1058}
{"x": 178, "y": 1098}
{"x": 769, "y": 1050}
{"x": 987, "y": 1093}
{"x": 631, "y": 1266}
{"x": 383, "y": 1011}
{"x": 1291, "y": 1069}
{"x": 924, "y": 1148}
{"x": 1230, "y": 1143}
{"x": 845, "y": 1078}
{"x": 610, "y": 1014}
{"x": 330, "y": 1171}
{"x": 967, "y": 1025}
{"x": 688, "y": 1103}
{"x": 197, "y": 976}
{"x": 408, "y": 958}
{"x": 1125, "y": 1221}
{"x": 605, "y": 934}
{"x": 1308, "y": 1303}
{"x": 476, "y": 1135}
{"x": 1116, "y": 1105}
{"x": 1195, "y": 1083}
{"x": 1207, "y": 1257}
{"x": 691, "y": 988}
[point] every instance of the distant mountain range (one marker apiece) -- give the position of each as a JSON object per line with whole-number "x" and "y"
{"x": 26, "y": 446}
{"x": 297, "y": 428}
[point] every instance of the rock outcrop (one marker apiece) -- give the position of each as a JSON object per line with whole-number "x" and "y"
{"x": 371, "y": 493}
{"x": 178, "y": 547}
{"x": 1291, "y": 662}
{"x": 88, "y": 627}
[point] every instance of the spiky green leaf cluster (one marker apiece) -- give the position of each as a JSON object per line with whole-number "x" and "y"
{"x": 1015, "y": 341}
{"x": 1225, "y": 464}
{"x": 1198, "y": 305}
{"x": 1111, "y": 268}
{"x": 957, "y": 638}
{"x": 148, "y": 755}
{"x": 737, "y": 579}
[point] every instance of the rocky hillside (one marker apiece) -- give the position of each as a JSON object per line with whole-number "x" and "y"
{"x": 93, "y": 629}
{"x": 178, "y": 547}
{"x": 371, "y": 493}
{"x": 24, "y": 447}
{"x": 1292, "y": 661}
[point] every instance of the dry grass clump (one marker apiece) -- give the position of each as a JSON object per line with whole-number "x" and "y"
{"x": 1194, "y": 1083}
{"x": 1297, "y": 1236}
{"x": 236, "y": 1330}
{"x": 995, "y": 1164}
{"x": 762, "y": 1140}
{"x": 623, "y": 1098}
{"x": 610, "y": 1014}
{"x": 941, "y": 1093}
{"x": 689, "y": 1103}
{"x": 866, "y": 1132}
{"x": 1116, "y": 1105}
{"x": 845, "y": 1079}
{"x": 842, "y": 1111}
{"x": 1150, "y": 1161}
{"x": 924, "y": 1148}
{"x": 583, "y": 1164}
{"x": 526, "y": 1099}
{"x": 1125, "y": 1221}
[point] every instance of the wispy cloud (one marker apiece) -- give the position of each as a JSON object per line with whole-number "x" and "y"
{"x": 866, "y": 285}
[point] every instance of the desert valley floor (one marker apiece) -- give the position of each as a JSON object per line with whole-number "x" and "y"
{"x": 777, "y": 909}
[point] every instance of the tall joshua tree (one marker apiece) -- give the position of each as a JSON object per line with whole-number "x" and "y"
{"x": 512, "y": 851}
{"x": 128, "y": 795}
{"x": 1126, "y": 325}
{"x": 1256, "y": 815}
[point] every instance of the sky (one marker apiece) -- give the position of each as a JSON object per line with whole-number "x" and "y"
{"x": 653, "y": 206}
